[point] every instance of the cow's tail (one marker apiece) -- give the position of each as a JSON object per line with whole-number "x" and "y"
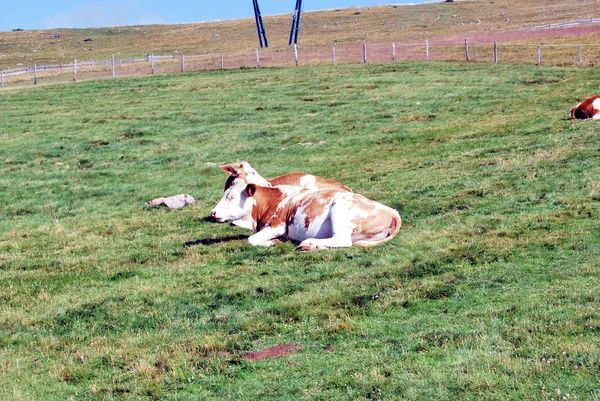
{"x": 387, "y": 235}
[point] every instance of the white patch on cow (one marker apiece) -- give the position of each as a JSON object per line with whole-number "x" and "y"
{"x": 596, "y": 106}
{"x": 308, "y": 181}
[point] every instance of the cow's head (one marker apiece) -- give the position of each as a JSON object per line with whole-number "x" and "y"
{"x": 236, "y": 204}
{"x": 244, "y": 170}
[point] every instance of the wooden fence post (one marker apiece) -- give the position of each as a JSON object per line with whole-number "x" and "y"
{"x": 393, "y": 52}
{"x": 296, "y": 53}
{"x": 152, "y": 60}
{"x": 75, "y": 70}
{"x": 427, "y": 50}
{"x": 364, "y": 52}
{"x": 495, "y": 52}
{"x": 222, "y": 61}
{"x": 257, "y": 59}
{"x": 539, "y": 60}
{"x": 579, "y": 55}
{"x": 112, "y": 60}
{"x": 182, "y": 63}
{"x": 35, "y": 74}
{"x": 333, "y": 55}
{"x": 467, "y": 49}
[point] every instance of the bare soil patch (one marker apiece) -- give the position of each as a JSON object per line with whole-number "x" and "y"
{"x": 273, "y": 352}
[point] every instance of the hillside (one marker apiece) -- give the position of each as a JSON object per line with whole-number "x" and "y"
{"x": 403, "y": 24}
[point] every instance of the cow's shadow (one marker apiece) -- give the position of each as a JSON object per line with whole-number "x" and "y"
{"x": 213, "y": 241}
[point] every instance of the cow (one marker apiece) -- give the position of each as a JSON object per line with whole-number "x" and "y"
{"x": 589, "y": 108}
{"x": 316, "y": 218}
{"x": 298, "y": 179}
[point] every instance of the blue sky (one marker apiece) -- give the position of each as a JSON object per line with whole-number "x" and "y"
{"x": 54, "y": 14}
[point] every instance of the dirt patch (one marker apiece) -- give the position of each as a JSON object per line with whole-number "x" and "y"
{"x": 273, "y": 352}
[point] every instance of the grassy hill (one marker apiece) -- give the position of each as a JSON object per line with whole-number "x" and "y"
{"x": 490, "y": 291}
{"x": 405, "y": 24}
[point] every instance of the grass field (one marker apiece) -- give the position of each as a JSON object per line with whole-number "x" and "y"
{"x": 490, "y": 290}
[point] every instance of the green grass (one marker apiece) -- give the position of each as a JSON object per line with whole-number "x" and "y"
{"x": 490, "y": 290}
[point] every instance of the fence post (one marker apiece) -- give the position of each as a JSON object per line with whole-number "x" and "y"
{"x": 333, "y": 55}
{"x": 182, "y": 63}
{"x": 539, "y": 60}
{"x": 579, "y": 55}
{"x": 152, "y": 59}
{"x": 75, "y": 70}
{"x": 112, "y": 60}
{"x": 427, "y": 50}
{"x": 393, "y": 52}
{"x": 495, "y": 52}
{"x": 467, "y": 49}
{"x": 35, "y": 74}
{"x": 257, "y": 59}
{"x": 296, "y": 53}
{"x": 2, "y": 79}
{"x": 222, "y": 62}
{"x": 364, "y": 52}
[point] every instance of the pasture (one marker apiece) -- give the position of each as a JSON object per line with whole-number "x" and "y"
{"x": 489, "y": 291}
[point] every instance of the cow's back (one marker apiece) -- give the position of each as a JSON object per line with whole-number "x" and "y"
{"x": 308, "y": 181}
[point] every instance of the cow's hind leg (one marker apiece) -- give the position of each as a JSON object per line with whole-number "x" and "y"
{"x": 341, "y": 230}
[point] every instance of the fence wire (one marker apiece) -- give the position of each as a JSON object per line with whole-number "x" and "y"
{"x": 555, "y": 54}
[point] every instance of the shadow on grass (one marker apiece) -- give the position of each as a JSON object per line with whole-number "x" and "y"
{"x": 212, "y": 241}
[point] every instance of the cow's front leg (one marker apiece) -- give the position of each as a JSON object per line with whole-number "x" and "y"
{"x": 267, "y": 236}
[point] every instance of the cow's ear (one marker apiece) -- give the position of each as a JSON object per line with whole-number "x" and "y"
{"x": 229, "y": 170}
{"x": 250, "y": 190}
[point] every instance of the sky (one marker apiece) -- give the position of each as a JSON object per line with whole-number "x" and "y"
{"x": 44, "y": 14}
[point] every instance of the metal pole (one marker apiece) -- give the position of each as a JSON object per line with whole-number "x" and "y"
{"x": 296, "y": 53}
{"x": 495, "y": 52}
{"x": 260, "y": 27}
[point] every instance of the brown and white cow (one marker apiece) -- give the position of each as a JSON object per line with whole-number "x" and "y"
{"x": 589, "y": 108}
{"x": 251, "y": 176}
{"x": 316, "y": 218}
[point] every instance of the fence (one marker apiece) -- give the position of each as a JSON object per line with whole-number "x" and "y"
{"x": 549, "y": 54}
{"x": 568, "y": 24}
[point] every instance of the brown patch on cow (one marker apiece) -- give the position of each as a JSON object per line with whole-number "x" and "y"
{"x": 273, "y": 352}
{"x": 306, "y": 221}
{"x": 265, "y": 210}
{"x": 585, "y": 109}
{"x": 315, "y": 205}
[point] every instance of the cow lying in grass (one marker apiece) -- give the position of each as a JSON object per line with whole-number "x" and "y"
{"x": 316, "y": 218}
{"x": 589, "y": 108}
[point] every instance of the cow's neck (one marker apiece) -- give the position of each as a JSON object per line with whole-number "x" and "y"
{"x": 266, "y": 202}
